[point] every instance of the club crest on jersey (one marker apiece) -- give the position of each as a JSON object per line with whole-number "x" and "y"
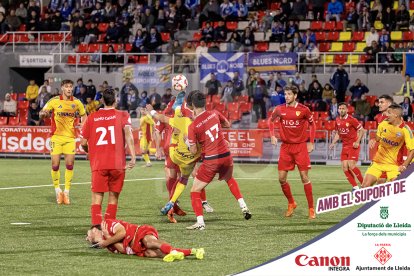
{"x": 347, "y": 124}
{"x": 399, "y": 134}
{"x": 60, "y": 106}
{"x": 73, "y": 106}
{"x": 297, "y": 113}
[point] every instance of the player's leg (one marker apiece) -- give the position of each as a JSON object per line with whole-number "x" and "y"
{"x": 348, "y": 173}
{"x": 371, "y": 175}
{"x": 352, "y": 164}
{"x": 307, "y": 186}
{"x": 96, "y": 209}
{"x": 144, "y": 145}
{"x": 206, "y": 206}
{"x": 69, "y": 162}
{"x": 286, "y": 163}
{"x": 197, "y": 205}
{"x": 115, "y": 183}
{"x": 55, "y": 154}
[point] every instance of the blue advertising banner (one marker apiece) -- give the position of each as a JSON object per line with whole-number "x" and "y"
{"x": 222, "y": 64}
{"x": 271, "y": 62}
{"x": 409, "y": 64}
{"x": 145, "y": 76}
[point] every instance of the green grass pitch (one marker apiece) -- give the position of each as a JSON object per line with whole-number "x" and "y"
{"x": 54, "y": 242}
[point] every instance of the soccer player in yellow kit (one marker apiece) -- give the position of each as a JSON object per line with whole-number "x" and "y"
{"x": 146, "y": 123}
{"x": 392, "y": 133}
{"x": 63, "y": 110}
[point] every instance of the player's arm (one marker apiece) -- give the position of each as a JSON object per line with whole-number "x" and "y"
{"x": 129, "y": 139}
{"x": 46, "y": 110}
{"x": 409, "y": 143}
{"x": 84, "y": 135}
{"x": 157, "y": 137}
{"x": 192, "y": 139}
{"x": 360, "y": 133}
{"x": 273, "y": 116}
{"x": 160, "y": 117}
{"x": 119, "y": 234}
{"x": 82, "y": 112}
{"x": 312, "y": 131}
{"x": 334, "y": 140}
{"x": 223, "y": 120}
{"x": 377, "y": 138}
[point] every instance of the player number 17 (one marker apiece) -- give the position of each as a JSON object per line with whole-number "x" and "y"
{"x": 103, "y": 131}
{"x": 211, "y": 131}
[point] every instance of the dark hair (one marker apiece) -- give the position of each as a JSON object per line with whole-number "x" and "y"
{"x": 109, "y": 97}
{"x": 199, "y": 100}
{"x": 386, "y": 97}
{"x": 292, "y": 88}
{"x": 190, "y": 96}
{"x": 66, "y": 82}
{"x": 343, "y": 103}
{"x": 395, "y": 106}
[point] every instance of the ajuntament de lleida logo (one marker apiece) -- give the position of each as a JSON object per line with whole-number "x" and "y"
{"x": 384, "y": 212}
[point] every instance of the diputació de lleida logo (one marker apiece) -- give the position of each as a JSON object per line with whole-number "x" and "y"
{"x": 384, "y": 212}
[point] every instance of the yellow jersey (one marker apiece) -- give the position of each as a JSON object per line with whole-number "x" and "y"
{"x": 392, "y": 138}
{"x": 146, "y": 123}
{"x": 64, "y": 115}
{"x": 32, "y": 91}
{"x": 92, "y": 107}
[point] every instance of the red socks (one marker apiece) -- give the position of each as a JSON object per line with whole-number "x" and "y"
{"x": 167, "y": 248}
{"x": 187, "y": 252}
{"x": 286, "y": 191}
{"x": 234, "y": 188}
{"x": 350, "y": 178}
{"x": 308, "y": 192}
{"x": 111, "y": 211}
{"x": 196, "y": 203}
{"x": 96, "y": 214}
{"x": 171, "y": 186}
{"x": 358, "y": 174}
{"x": 174, "y": 184}
{"x": 203, "y": 195}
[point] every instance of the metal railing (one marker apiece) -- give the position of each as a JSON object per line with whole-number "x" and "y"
{"x": 14, "y": 39}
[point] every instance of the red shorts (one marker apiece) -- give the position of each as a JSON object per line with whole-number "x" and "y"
{"x": 209, "y": 168}
{"x": 294, "y": 154}
{"x": 170, "y": 164}
{"x": 350, "y": 153}
{"x": 107, "y": 181}
{"x": 138, "y": 246}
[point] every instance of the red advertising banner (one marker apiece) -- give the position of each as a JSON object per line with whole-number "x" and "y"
{"x": 17, "y": 139}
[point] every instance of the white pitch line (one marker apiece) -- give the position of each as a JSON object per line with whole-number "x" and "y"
{"x": 162, "y": 178}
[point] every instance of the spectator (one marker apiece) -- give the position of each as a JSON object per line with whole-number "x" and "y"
{"x": 211, "y": 11}
{"x": 388, "y": 19}
{"x": 109, "y": 12}
{"x": 212, "y": 86}
{"x": 65, "y": 11}
{"x": 156, "y": 7}
{"x": 91, "y": 89}
{"x": 155, "y": 99}
{"x": 33, "y": 115}
{"x": 43, "y": 97}
{"x": 166, "y": 98}
{"x": 383, "y": 37}
{"x": 226, "y": 10}
{"x": 133, "y": 101}
{"x": 21, "y": 12}
{"x": 247, "y": 40}
{"x": 333, "y": 109}
{"x": 220, "y": 32}
{"x": 411, "y": 27}
{"x": 280, "y": 80}
{"x": 407, "y": 88}
{"x": 91, "y": 105}
{"x": 299, "y": 10}
{"x": 207, "y": 33}
{"x": 314, "y": 79}
{"x": 138, "y": 44}
{"x": 227, "y": 93}
{"x": 304, "y": 96}
{"x": 240, "y": 10}
{"x": 351, "y": 20}
{"x": 99, "y": 93}
{"x": 280, "y": 17}
{"x": 45, "y": 24}
{"x": 56, "y": 22}
{"x": 364, "y": 20}
{"x": 312, "y": 56}
{"x": 148, "y": 19}
{"x": 376, "y": 10}
{"x": 201, "y": 49}
{"x": 316, "y": 93}
{"x": 371, "y": 52}
{"x": 153, "y": 42}
{"x": 266, "y": 22}
{"x": 402, "y": 17}
{"x": 335, "y": 10}
{"x": 407, "y": 109}
{"x": 253, "y": 23}
{"x": 77, "y": 88}
{"x": 320, "y": 106}
{"x": 286, "y": 8}
{"x": 144, "y": 98}
{"x": 362, "y": 109}
{"x": 297, "y": 80}
{"x": 328, "y": 93}
{"x": 32, "y": 91}
{"x": 357, "y": 90}
{"x": 83, "y": 95}
{"x": 233, "y": 43}
{"x": 32, "y": 22}
{"x": 123, "y": 103}
{"x": 47, "y": 86}
{"x": 278, "y": 32}
{"x": 309, "y": 37}
{"x": 318, "y": 9}
{"x": 291, "y": 29}
{"x": 188, "y": 58}
{"x": 340, "y": 82}
{"x": 277, "y": 97}
{"x": 213, "y": 48}
{"x": 271, "y": 83}
{"x": 249, "y": 82}
{"x": 374, "y": 110}
{"x": 237, "y": 84}
{"x": 97, "y": 14}
{"x": 300, "y": 50}
{"x": 9, "y": 106}
{"x": 78, "y": 33}
{"x": 192, "y": 5}
{"x": 124, "y": 33}
{"x": 259, "y": 96}
{"x": 373, "y": 36}
{"x": 91, "y": 34}
{"x": 112, "y": 33}
{"x": 388, "y": 58}
{"x": 120, "y": 57}
{"x": 160, "y": 21}
{"x": 13, "y": 21}
{"x": 174, "y": 48}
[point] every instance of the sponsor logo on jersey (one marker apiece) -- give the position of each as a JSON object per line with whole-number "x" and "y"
{"x": 73, "y": 106}
{"x": 399, "y": 134}
{"x": 60, "y": 106}
{"x": 389, "y": 142}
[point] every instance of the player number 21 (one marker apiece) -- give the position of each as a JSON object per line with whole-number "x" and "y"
{"x": 211, "y": 131}
{"x": 103, "y": 131}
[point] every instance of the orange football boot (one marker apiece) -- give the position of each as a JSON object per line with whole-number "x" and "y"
{"x": 291, "y": 207}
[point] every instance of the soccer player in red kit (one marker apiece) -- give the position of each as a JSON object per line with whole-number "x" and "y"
{"x": 205, "y": 131}
{"x": 141, "y": 240}
{"x": 104, "y": 136}
{"x": 294, "y": 119}
{"x": 350, "y": 131}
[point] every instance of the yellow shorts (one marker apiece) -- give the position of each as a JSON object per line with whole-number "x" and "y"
{"x": 377, "y": 169}
{"x": 143, "y": 144}
{"x": 185, "y": 162}
{"x": 62, "y": 145}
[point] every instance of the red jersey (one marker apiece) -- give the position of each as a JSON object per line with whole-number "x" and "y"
{"x": 294, "y": 122}
{"x": 206, "y": 130}
{"x": 380, "y": 117}
{"x": 347, "y": 129}
{"x": 223, "y": 120}
{"x": 167, "y": 135}
{"x": 104, "y": 131}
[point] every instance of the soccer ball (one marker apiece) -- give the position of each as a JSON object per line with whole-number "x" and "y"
{"x": 179, "y": 83}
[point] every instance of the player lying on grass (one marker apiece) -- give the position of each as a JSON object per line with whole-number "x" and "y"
{"x": 142, "y": 240}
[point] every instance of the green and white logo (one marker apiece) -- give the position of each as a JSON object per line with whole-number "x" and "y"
{"x": 384, "y": 212}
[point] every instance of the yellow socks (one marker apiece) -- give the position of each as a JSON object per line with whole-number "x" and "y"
{"x": 179, "y": 189}
{"x": 146, "y": 158}
{"x": 68, "y": 179}
{"x": 55, "y": 178}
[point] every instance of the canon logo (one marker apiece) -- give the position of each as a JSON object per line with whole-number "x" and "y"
{"x": 304, "y": 260}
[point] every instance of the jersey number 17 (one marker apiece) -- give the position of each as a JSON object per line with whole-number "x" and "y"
{"x": 210, "y": 132}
